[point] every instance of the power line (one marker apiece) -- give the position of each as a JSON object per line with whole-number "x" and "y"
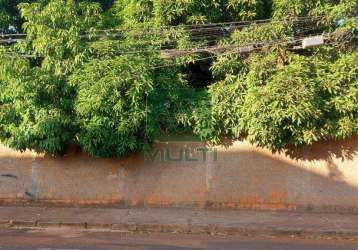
{"x": 220, "y": 31}
{"x": 215, "y": 48}
{"x": 208, "y": 58}
{"x": 210, "y": 36}
{"x": 235, "y": 50}
{"x": 202, "y": 27}
{"x": 173, "y": 49}
{"x": 222, "y": 24}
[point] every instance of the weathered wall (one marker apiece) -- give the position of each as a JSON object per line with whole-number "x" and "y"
{"x": 239, "y": 175}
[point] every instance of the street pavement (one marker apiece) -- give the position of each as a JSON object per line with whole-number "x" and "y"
{"x": 70, "y": 239}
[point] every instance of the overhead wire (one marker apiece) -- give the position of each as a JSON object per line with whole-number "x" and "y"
{"x": 235, "y": 50}
{"x": 199, "y": 48}
{"x": 206, "y": 58}
{"x": 208, "y": 49}
{"x": 165, "y": 48}
{"x": 212, "y": 25}
{"x": 208, "y": 27}
{"x": 219, "y": 31}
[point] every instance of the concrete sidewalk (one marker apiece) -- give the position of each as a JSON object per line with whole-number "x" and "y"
{"x": 182, "y": 220}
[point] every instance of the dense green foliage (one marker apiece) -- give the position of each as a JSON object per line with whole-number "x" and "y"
{"x": 91, "y": 73}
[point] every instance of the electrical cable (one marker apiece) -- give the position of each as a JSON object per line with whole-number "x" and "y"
{"x": 241, "y": 24}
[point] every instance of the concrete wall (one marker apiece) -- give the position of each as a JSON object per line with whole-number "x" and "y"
{"x": 321, "y": 177}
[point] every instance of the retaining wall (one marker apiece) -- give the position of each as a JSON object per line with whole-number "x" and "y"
{"x": 237, "y": 175}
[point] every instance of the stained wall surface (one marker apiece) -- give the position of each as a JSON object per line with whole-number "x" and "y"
{"x": 176, "y": 173}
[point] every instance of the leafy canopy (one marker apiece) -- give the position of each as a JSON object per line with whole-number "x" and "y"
{"x": 71, "y": 81}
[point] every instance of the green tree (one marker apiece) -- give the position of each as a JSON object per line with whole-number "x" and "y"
{"x": 279, "y": 99}
{"x": 92, "y": 73}
{"x": 39, "y": 110}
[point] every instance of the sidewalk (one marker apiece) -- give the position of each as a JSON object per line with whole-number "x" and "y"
{"x": 182, "y": 220}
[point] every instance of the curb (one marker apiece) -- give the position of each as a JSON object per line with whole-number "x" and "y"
{"x": 180, "y": 229}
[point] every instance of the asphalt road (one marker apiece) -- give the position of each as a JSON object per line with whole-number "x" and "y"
{"x": 62, "y": 239}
